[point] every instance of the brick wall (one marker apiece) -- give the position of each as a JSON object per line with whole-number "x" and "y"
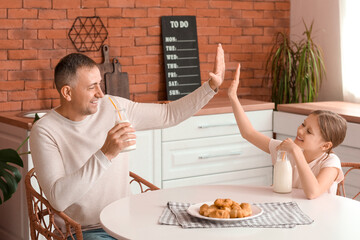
{"x": 33, "y": 37}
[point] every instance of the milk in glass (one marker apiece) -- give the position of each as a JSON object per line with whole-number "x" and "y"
{"x": 282, "y": 174}
{"x": 122, "y": 117}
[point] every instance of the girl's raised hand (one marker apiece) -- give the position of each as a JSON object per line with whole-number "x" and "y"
{"x": 232, "y": 91}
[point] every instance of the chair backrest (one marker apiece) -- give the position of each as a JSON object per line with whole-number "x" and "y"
{"x": 341, "y": 186}
{"x": 42, "y": 214}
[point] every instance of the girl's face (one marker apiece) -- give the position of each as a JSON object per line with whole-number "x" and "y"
{"x": 309, "y": 136}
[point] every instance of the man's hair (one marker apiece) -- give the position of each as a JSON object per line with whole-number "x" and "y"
{"x": 66, "y": 69}
{"x": 332, "y": 127}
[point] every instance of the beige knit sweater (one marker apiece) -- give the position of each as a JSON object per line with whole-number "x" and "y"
{"x": 74, "y": 174}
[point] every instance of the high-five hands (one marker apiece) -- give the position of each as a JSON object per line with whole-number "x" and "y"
{"x": 217, "y": 77}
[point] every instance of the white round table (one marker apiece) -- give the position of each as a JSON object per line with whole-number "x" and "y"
{"x": 136, "y": 217}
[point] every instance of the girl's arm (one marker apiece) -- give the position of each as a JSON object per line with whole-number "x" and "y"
{"x": 312, "y": 185}
{"x": 246, "y": 129}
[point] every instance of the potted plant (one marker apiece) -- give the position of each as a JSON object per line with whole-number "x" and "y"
{"x": 295, "y": 69}
{"x": 10, "y": 175}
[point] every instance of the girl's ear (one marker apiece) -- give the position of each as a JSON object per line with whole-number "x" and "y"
{"x": 66, "y": 92}
{"x": 326, "y": 146}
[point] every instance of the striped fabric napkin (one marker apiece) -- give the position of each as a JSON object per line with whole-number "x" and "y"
{"x": 275, "y": 215}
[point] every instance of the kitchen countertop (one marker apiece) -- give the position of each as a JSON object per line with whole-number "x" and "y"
{"x": 217, "y": 105}
{"x": 349, "y": 111}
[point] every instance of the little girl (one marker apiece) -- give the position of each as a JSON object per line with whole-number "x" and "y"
{"x": 316, "y": 169}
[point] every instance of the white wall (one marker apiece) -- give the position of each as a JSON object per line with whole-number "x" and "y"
{"x": 326, "y": 34}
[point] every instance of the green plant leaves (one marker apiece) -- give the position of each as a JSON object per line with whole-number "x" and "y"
{"x": 296, "y": 69}
{"x": 10, "y": 176}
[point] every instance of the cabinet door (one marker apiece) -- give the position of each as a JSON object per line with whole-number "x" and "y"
{"x": 255, "y": 177}
{"x": 196, "y": 157}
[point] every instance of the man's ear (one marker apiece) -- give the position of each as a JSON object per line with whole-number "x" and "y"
{"x": 66, "y": 92}
{"x": 327, "y": 146}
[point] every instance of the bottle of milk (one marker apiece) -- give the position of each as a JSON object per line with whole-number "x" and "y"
{"x": 282, "y": 174}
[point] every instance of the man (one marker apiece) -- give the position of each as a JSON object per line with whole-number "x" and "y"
{"x": 77, "y": 150}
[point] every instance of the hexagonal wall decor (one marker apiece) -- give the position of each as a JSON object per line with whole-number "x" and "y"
{"x": 88, "y": 34}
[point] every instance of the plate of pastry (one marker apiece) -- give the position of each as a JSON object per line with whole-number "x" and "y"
{"x": 224, "y": 210}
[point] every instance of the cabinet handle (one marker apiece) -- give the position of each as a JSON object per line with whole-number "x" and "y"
{"x": 206, "y": 156}
{"x": 217, "y": 125}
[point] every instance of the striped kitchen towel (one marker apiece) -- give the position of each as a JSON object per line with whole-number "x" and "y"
{"x": 275, "y": 215}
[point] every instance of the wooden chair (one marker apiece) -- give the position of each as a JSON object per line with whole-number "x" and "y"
{"x": 341, "y": 187}
{"x": 42, "y": 214}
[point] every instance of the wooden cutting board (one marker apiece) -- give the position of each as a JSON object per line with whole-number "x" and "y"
{"x": 106, "y": 66}
{"x": 117, "y": 82}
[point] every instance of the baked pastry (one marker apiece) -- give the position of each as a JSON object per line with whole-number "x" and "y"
{"x": 226, "y": 208}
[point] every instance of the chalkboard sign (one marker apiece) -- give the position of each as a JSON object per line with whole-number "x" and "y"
{"x": 181, "y": 55}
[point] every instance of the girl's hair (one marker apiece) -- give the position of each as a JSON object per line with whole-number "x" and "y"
{"x": 66, "y": 69}
{"x": 332, "y": 127}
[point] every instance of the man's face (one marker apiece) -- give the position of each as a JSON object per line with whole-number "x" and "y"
{"x": 85, "y": 93}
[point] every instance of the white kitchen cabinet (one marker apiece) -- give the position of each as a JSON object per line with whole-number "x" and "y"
{"x": 286, "y": 124}
{"x": 209, "y": 147}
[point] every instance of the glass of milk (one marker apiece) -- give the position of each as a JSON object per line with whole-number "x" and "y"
{"x": 282, "y": 174}
{"x": 120, "y": 116}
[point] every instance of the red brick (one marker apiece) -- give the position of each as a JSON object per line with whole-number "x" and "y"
{"x": 39, "y": 84}
{"x": 52, "y": 14}
{"x": 11, "y": 85}
{"x": 264, "y": 6}
{"x": 184, "y": 11}
{"x": 138, "y": 69}
{"x": 10, "y": 106}
{"x": 3, "y": 34}
{"x": 147, "y": 22}
{"x": 154, "y": 31}
{"x": 121, "y": 42}
{"x": 208, "y": 13}
{"x": 147, "y": 78}
{"x": 62, "y": 44}
{"x": 242, "y": 39}
{"x": 144, "y": 41}
{"x": 3, "y": 75}
{"x": 37, "y": 4}
{"x": 114, "y": 32}
{"x": 229, "y": 31}
{"x": 137, "y": 88}
{"x": 220, "y": 39}
{"x": 37, "y": 24}
{"x": 10, "y": 23}
{"x": 63, "y": 24}
{"x": 52, "y": 34}
{"x": 66, "y": 4}
{"x": 94, "y": 3}
{"x": 74, "y": 13}
{"x": 123, "y": 22}
{"x": 134, "y": 51}
{"x": 253, "y": 31}
{"x": 122, "y": 3}
{"x": 3, "y": 13}
{"x": 154, "y": 68}
{"x": 21, "y": 95}
{"x": 22, "y": 13}
{"x": 134, "y": 13}
{"x": 147, "y": 3}
{"x": 197, "y": 4}
{"x": 38, "y": 44}
{"x": 22, "y": 34}
{"x": 277, "y": 14}
{"x": 11, "y": 4}
{"x": 22, "y": 54}
{"x": 242, "y": 22}
{"x": 45, "y": 74}
{"x": 50, "y": 54}
{"x": 3, "y": 96}
{"x": 148, "y": 59}
{"x": 282, "y": 5}
{"x": 35, "y": 64}
{"x": 252, "y": 14}
{"x": 263, "y": 39}
{"x": 230, "y": 13}
{"x": 220, "y": 4}
{"x": 209, "y": 31}
{"x": 242, "y": 5}
{"x": 48, "y": 93}
{"x": 172, "y": 3}
{"x": 146, "y": 97}
{"x": 264, "y": 22}
{"x": 3, "y": 55}
{"x": 134, "y": 32}
{"x": 36, "y": 104}
{"x": 158, "y": 12}
{"x": 251, "y": 48}
{"x": 239, "y": 57}
{"x": 109, "y": 12}
{"x": 224, "y": 22}
{"x": 23, "y": 75}
{"x": 9, "y": 65}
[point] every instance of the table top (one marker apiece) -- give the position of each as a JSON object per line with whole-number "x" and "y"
{"x": 136, "y": 217}
{"x": 349, "y": 111}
